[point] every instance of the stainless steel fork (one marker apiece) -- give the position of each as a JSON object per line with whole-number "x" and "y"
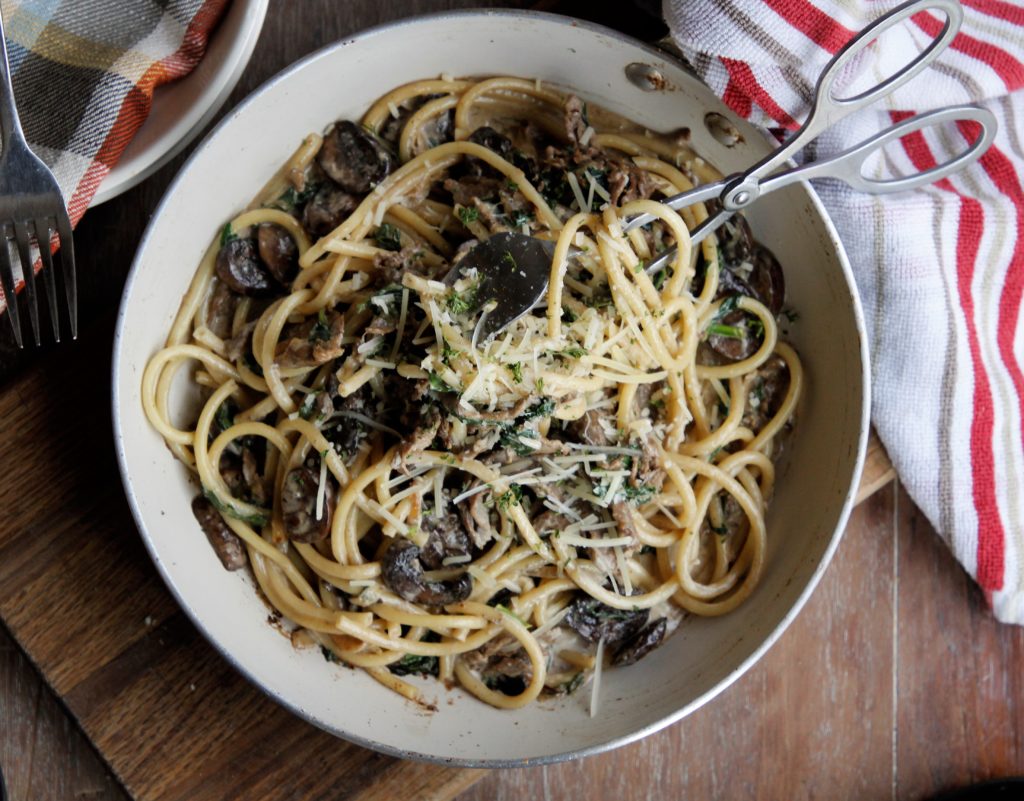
{"x": 31, "y": 208}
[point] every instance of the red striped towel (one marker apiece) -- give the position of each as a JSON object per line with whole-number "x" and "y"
{"x": 84, "y": 72}
{"x": 940, "y": 270}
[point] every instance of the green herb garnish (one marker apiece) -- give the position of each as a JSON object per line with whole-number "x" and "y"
{"x": 438, "y": 384}
{"x": 226, "y": 234}
{"x": 731, "y": 331}
{"x": 638, "y": 495}
{"x": 412, "y": 663}
{"x": 468, "y": 214}
{"x": 388, "y": 237}
{"x": 321, "y": 330}
{"x": 516, "y": 369}
{"x": 510, "y": 498}
{"x": 258, "y": 519}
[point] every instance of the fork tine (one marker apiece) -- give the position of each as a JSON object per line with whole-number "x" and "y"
{"x": 49, "y": 280}
{"x": 7, "y": 280}
{"x": 67, "y": 263}
{"x": 29, "y": 275}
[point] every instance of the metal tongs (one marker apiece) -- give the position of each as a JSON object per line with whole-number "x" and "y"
{"x": 736, "y": 192}
{"x": 514, "y": 292}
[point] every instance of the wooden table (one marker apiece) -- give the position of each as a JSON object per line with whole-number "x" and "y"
{"x": 894, "y": 683}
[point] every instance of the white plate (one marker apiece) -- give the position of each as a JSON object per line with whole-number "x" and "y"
{"x": 180, "y": 109}
{"x": 814, "y": 489}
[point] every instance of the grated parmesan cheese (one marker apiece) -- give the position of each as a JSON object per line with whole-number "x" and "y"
{"x": 595, "y": 688}
{"x": 574, "y": 185}
{"x": 321, "y": 490}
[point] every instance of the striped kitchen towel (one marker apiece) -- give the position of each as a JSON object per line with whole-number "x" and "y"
{"x": 940, "y": 270}
{"x": 84, "y": 72}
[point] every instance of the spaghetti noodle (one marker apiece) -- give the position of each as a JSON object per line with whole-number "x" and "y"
{"x": 508, "y": 514}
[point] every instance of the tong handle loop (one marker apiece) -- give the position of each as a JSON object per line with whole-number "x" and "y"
{"x": 829, "y": 109}
{"x": 848, "y": 166}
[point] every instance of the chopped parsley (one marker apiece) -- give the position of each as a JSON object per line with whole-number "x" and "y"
{"x": 575, "y": 352}
{"x": 448, "y": 353}
{"x": 321, "y": 330}
{"x": 569, "y": 316}
{"x": 638, "y": 495}
{"x": 388, "y": 237}
{"x": 291, "y": 198}
{"x": 438, "y": 384}
{"x": 258, "y": 519}
{"x": 512, "y": 186}
{"x": 412, "y": 663}
{"x": 227, "y": 234}
{"x": 659, "y": 278}
{"x": 510, "y": 498}
{"x": 509, "y": 260}
{"x": 572, "y": 685}
{"x": 516, "y": 368}
{"x": 463, "y": 302}
{"x": 468, "y": 214}
{"x": 521, "y": 218}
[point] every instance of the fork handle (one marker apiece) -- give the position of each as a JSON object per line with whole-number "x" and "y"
{"x": 10, "y": 124}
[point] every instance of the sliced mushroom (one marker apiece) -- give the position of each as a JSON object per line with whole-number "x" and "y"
{"x": 326, "y": 210}
{"x": 588, "y": 429}
{"x": 502, "y": 663}
{"x": 298, "y": 506}
{"x": 353, "y": 158}
{"x": 487, "y": 137}
{"x": 220, "y": 310}
{"x": 227, "y": 545}
{"x": 447, "y": 538}
{"x": 733, "y": 338}
{"x": 477, "y": 520}
{"x": 402, "y": 573}
{"x": 239, "y": 266}
{"x": 594, "y": 621}
{"x": 278, "y": 251}
{"x": 767, "y": 280}
{"x": 347, "y": 433}
{"x": 642, "y": 643}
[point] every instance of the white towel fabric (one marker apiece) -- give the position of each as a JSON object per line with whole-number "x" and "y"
{"x": 940, "y": 270}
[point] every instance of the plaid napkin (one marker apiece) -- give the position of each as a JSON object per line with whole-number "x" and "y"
{"x": 84, "y": 72}
{"x": 940, "y": 270}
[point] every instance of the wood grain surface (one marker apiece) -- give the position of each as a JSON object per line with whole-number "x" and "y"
{"x": 892, "y": 684}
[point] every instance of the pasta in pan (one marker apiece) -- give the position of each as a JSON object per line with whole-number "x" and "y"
{"x": 513, "y": 514}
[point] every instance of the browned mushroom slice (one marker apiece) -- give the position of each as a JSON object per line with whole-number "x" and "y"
{"x": 642, "y": 643}
{"x": 402, "y": 573}
{"x": 594, "y": 621}
{"x": 487, "y": 137}
{"x": 353, "y": 158}
{"x": 298, "y": 506}
{"x": 588, "y": 430}
{"x": 502, "y": 664}
{"x": 734, "y": 336}
{"x": 278, "y": 251}
{"x": 447, "y": 538}
{"x": 767, "y": 280}
{"x": 227, "y": 545}
{"x": 326, "y": 210}
{"x": 239, "y": 266}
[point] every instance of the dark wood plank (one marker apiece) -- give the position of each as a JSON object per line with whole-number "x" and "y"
{"x": 961, "y": 683}
{"x": 813, "y": 719}
{"x": 43, "y": 753}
